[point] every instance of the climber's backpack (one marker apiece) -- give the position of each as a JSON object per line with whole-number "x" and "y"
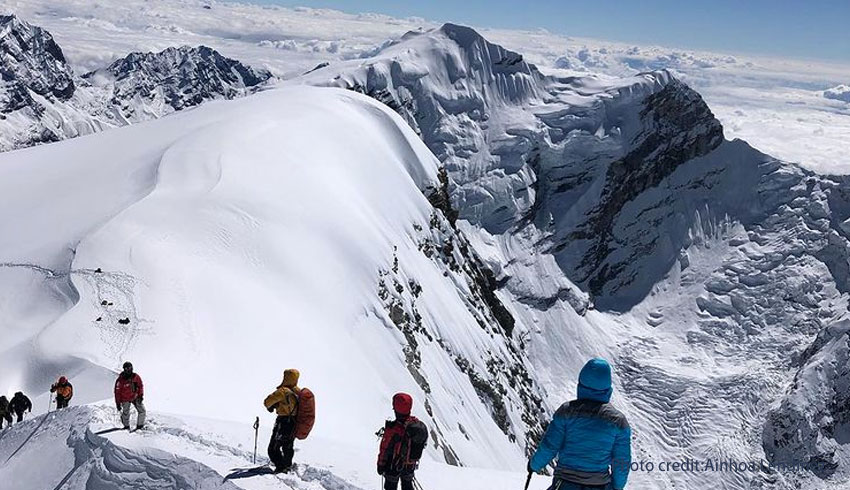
{"x": 306, "y": 416}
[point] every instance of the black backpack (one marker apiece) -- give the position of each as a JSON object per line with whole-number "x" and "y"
{"x": 417, "y": 434}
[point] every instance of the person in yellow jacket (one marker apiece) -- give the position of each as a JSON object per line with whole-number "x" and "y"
{"x": 284, "y": 400}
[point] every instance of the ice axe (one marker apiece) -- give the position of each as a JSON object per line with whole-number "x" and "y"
{"x": 256, "y": 431}
{"x": 528, "y": 480}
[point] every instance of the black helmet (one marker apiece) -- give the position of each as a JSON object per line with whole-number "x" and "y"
{"x": 128, "y": 365}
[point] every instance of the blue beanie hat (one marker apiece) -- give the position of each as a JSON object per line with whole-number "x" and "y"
{"x": 594, "y": 381}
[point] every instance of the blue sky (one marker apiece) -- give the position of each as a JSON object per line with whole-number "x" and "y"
{"x": 817, "y": 29}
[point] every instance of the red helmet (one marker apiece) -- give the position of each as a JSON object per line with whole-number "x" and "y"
{"x": 402, "y": 403}
{"x": 63, "y": 380}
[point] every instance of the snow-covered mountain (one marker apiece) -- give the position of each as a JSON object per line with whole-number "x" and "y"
{"x": 36, "y": 86}
{"x": 149, "y": 85}
{"x": 44, "y": 101}
{"x": 720, "y": 263}
{"x": 840, "y": 92}
{"x": 474, "y": 251}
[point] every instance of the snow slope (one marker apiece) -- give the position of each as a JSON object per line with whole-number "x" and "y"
{"x": 241, "y": 239}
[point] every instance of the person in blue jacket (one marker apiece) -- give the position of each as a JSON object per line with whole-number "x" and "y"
{"x": 591, "y": 438}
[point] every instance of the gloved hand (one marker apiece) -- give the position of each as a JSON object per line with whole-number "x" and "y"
{"x": 380, "y": 470}
{"x": 140, "y": 397}
{"x": 118, "y": 406}
{"x": 270, "y": 409}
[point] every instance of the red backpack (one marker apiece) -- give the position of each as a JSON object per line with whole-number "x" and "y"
{"x": 306, "y": 416}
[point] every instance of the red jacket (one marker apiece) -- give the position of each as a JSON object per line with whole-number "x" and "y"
{"x": 128, "y": 389}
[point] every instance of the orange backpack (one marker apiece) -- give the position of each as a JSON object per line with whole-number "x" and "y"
{"x": 306, "y": 416}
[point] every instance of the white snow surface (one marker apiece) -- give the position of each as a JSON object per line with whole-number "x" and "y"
{"x": 193, "y": 452}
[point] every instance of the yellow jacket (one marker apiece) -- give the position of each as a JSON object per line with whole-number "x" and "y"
{"x": 285, "y": 398}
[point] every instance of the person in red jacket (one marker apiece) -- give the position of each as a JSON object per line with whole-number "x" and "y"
{"x": 129, "y": 390}
{"x": 402, "y": 443}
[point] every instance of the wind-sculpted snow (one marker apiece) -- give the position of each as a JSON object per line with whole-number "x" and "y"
{"x": 72, "y": 457}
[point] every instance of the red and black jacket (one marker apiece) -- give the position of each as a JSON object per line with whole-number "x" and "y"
{"x": 128, "y": 388}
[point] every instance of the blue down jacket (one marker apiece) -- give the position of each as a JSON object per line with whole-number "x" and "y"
{"x": 591, "y": 438}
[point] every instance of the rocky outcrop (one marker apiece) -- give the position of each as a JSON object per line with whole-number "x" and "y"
{"x": 144, "y": 85}
{"x": 43, "y": 101}
{"x": 811, "y": 426}
{"x": 31, "y": 63}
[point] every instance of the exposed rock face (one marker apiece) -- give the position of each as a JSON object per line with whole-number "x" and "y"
{"x": 31, "y": 61}
{"x": 42, "y": 101}
{"x": 675, "y": 126}
{"x": 811, "y": 426}
{"x": 147, "y": 85}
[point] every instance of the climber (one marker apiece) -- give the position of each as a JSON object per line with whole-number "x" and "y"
{"x": 129, "y": 391}
{"x": 402, "y": 442}
{"x": 5, "y": 412}
{"x": 64, "y": 392}
{"x": 284, "y": 400}
{"x": 591, "y": 438}
{"x": 20, "y": 403}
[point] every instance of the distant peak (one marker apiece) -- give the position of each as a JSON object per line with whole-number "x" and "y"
{"x": 11, "y": 19}
{"x": 30, "y": 58}
{"x": 463, "y": 35}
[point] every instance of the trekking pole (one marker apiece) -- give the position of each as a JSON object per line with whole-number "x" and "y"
{"x": 528, "y": 480}
{"x": 256, "y": 431}
{"x": 49, "y": 401}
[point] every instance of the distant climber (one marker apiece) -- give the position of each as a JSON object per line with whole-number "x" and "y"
{"x": 129, "y": 391}
{"x": 64, "y": 392}
{"x": 402, "y": 443}
{"x": 284, "y": 400}
{"x": 591, "y": 438}
{"x": 20, "y": 404}
{"x": 5, "y": 412}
